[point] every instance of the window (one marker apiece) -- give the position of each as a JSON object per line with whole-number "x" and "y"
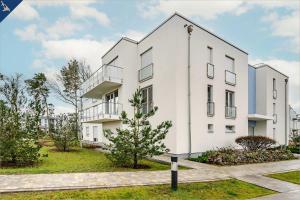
{"x": 210, "y": 55}
{"x": 274, "y": 84}
{"x": 229, "y": 64}
{"x": 111, "y": 106}
{"x": 147, "y": 99}
{"x": 230, "y": 129}
{"x": 87, "y": 133}
{"x": 210, "y": 128}
{"x": 146, "y": 58}
{"x": 274, "y": 134}
{"x": 209, "y": 93}
{"x": 229, "y": 101}
{"x": 274, "y": 108}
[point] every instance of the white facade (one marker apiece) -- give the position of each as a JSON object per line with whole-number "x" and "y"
{"x": 272, "y": 111}
{"x": 159, "y": 62}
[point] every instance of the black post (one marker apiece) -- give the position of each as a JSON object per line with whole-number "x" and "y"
{"x": 174, "y": 173}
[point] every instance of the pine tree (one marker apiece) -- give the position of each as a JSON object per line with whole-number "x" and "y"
{"x": 139, "y": 141}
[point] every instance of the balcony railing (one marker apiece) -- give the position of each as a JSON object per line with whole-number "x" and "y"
{"x": 106, "y": 111}
{"x": 146, "y": 73}
{"x": 274, "y": 94}
{"x": 210, "y": 109}
{"x": 274, "y": 118}
{"x": 230, "y": 77}
{"x": 210, "y": 70}
{"x": 230, "y": 111}
{"x": 109, "y": 73}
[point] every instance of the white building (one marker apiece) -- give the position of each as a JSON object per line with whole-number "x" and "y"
{"x": 198, "y": 80}
{"x": 294, "y": 122}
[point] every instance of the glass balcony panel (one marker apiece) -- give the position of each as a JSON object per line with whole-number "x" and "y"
{"x": 230, "y": 77}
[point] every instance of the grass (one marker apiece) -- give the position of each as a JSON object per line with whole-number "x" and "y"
{"x": 227, "y": 189}
{"x": 293, "y": 177}
{"x": 80, "y": 160}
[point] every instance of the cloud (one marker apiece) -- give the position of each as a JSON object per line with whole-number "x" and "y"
{"x": 25, "y": 11}
{"x": 63, "y": 109}
{"x": 286, "y": 26}
{"x": 29, "y": 33}
{"x": 83, "y": 49}
{"x": 208, "y": 9}
{"x": 292, "y": 70}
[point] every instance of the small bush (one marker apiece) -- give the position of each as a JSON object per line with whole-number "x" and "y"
{"x": 253, "y": 143}
{"x": 231, "y": 156}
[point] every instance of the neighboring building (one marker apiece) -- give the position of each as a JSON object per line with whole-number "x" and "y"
{"x": 294, "y": 122}
{"x": 268, "y": 103}
{"x": 215, "y": 111}
{"x": 44, "y": 123}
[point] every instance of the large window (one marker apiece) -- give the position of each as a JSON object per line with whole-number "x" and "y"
{"x": 87, "y": 133}
{"x": 147, "y": 99}
{"x": 210, "y": 55}
{"x": 146, "y": 58}
{"x": 95, "y": 133}
{"x": 210, "y": 103}
{"x": 230, "y": 129}
{"x": 230, "y": 109}
{"x": 274, "y": 84}
{"x": 229, "y": 101}
{"x": 229, "y": 65}
{"x": 112, "y": 103}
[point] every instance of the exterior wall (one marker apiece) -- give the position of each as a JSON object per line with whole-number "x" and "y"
{"x": 90, "y": 137}
{"x": 251, "y": 90}
{"x": 265, "y": 102}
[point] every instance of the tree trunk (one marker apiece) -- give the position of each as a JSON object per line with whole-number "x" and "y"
{"x": 135, "y": 161}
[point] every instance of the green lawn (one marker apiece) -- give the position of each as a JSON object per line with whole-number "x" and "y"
{"x": 227, "y": 189}
{"x": 81, "y": 160}
{"x": 293, "y": 177}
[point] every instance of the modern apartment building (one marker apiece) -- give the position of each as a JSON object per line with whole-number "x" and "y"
{"x": 198, "y": 80}
{"x": 294, "y": 122}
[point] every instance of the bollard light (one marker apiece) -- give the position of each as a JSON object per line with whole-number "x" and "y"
{"x": 174, "y": 173}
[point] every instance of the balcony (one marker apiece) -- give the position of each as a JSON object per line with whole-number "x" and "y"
{"x": 146, "y": 73}
{"x": 103, "y": 112}
{"x": 210, "y": 71}
{"x": 274, "y": 118}
{"x": 230, "y": 112}
{"x": 274, "y": 94}
{"x": 230, "y": 77}
{"x": 105, "y": 79}
{"x": 210, "y": 109}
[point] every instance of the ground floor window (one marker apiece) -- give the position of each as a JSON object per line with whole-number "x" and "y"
{"x": 147, "y": 99}
{"x": 210, "y": 128}
{"x": 230, "y": 129}
{"x": 87, "y": 133}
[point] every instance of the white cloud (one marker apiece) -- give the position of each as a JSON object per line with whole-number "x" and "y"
{"x": 80, "y": 11}
{"x": 63, "y": 109}
{"x": 83, "y": 49}
{"x": 29, "y": 33}
{"x": 292, "y": 70}
{"x": 135, "y": 35}
{"x": 25, "y": 11}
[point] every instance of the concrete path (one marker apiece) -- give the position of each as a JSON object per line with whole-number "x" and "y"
{"x": 270, "y": 183}
{"x": 200, "y": 172}
{"x": 294, "y": 195}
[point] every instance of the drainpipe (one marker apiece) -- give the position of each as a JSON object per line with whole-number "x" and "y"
{"x": 285, "y": 104}
{"x": 189, "y": 31}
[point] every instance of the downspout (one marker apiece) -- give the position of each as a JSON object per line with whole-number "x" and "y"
{"x": 189, "y": 31}
{"x": 285, "y": 104}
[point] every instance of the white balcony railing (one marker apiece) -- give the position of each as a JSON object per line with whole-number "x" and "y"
{"x": 146, "y": 73}
{"x": 210, "y": 70}
{"x": 230, "y": 77}
{"x": 108, "y": 73}
{"x": 230, "y": 111}
{"x": 210, "y": 109}
{"x": 106, "y": 111}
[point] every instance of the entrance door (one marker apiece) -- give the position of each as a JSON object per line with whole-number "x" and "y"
{"x": 95, "y": 133}
{"x": 111, "y": 106}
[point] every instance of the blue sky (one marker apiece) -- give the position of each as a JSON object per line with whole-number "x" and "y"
{"x": 41, "y": 36}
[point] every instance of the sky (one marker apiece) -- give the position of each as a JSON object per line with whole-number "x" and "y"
{"x": 42, "y": 35}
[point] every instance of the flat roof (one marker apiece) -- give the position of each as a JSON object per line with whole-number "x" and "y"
{"x": 179, "y": 15}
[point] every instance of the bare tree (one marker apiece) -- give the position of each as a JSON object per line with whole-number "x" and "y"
{"x": 68, "y": 82}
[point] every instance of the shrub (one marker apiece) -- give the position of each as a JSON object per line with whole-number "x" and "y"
{"x": 252, "y": 143}
{"x": 231, "y": 156}
{"x": 64, "y": 135}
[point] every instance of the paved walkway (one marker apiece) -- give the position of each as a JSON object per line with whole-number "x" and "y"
{"x": 200, "y": 172}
